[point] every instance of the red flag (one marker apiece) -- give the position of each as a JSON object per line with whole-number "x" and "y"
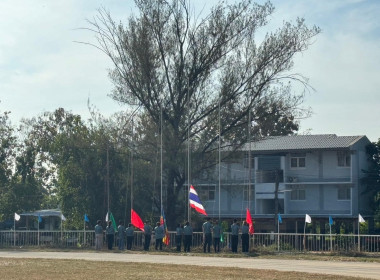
{"x": 136, "y": 220}
{"x": 249, "y": 222}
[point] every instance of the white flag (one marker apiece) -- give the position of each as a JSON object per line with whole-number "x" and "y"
{"x": 107, "y": 219}
{"x": 17, "y": 217}
{"x": 308, "y": 219}
{"x": 63, "y": 217}
{"x": 361, "y": 220}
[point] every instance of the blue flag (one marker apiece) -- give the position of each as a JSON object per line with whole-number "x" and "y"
{"x": 330, "y": 220}
{"x": 39, "y": 219}
{"x": 279, "y": 219}
{"x": 86, "y": 219}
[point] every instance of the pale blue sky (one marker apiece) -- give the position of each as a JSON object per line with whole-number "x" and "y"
{"x": 41, "y": 68}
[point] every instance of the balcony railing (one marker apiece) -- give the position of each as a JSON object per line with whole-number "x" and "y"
{"x": 269, "y": 176}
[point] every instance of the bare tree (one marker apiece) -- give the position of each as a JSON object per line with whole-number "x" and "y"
{"x": 166, "y": 57}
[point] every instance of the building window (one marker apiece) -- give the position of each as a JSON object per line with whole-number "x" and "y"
{"x": 344, "y": 159}
{"x": 207, "y": 193}
{"x": 298, "y": 194}
{"x": 298, "y": 160}
{"x": 344, "y": 193}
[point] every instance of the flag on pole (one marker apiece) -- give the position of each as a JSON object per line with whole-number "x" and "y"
{"x": 17, "y": 217}
{"x": 195, "y": 202}
{"x": 86, "y": 219}
{"x": 361, "y": 220}
{"x": 279, "y": 218}
{"x": 107, "y": 218}
{"x": 249, "y": 222}
{"x": 330, "y": 221}
{"x": 39, "y": 219}
{"x": 63, "y": 217}
{"x": 166, "y": 238}
{"x": 136, "y": 220}
{"x": 113, "y": 222}
{"x": 307, "y": 219}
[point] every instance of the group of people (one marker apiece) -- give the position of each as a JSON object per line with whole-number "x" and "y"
{"x": 122, "y": 234}
{"x": 211, "y": 236}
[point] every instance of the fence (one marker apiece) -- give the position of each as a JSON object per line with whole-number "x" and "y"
{"x": 259, "y": 241}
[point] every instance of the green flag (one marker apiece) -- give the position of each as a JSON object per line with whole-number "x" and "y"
{"x": 113, "y": 222}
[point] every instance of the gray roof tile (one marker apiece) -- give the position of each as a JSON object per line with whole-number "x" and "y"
{"x": 303, "y": 142}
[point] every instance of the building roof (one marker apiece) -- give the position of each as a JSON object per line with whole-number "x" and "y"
{"x": 303, "y": 142}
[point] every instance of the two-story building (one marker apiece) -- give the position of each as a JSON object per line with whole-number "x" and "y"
{"x": 295, "y": 175}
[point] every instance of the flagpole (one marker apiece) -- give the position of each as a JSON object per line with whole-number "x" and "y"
{"x": 330, "y": 238}
{"x": 14, "y": 232}
{"x": 278, "y": 234}
{"x": 304, "y": 236}
{"x": 161, "y": 156}
{"x": 219, "y": 155}
{"x": 38, "y": 231}
{"x": 188, "y": 151}
{"x": 84, "y": 231}
{"x": 358, "y": 234}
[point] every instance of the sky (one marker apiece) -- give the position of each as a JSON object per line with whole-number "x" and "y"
{"x": 42, "y": 67}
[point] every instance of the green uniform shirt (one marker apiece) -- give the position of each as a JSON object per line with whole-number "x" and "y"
{"x": 159, "y": 232}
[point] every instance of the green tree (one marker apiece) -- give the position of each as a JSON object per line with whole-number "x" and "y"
{"x": 372, "y": 178}
{"x": 168, "y": 59}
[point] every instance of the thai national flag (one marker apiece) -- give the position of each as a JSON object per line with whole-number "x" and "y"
{"x": 195, "y": 202}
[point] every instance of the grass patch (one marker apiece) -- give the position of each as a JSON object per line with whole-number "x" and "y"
{"x": 30, "y": 269}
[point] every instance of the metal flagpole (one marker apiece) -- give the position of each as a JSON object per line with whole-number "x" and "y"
{"x": 219, "y": 155}
{"x": 188, "y": 151}
{"x": 161, "y": 157}
{"x": 278, "y": 233}
{"x": 358, "y": 234}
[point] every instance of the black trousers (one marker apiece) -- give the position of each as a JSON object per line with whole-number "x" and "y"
{"x": 129, "y": 242}
{"x": 187, "y": 242}
{"x": 207, "y": 242}
{"x": 245, "y": 242}
{"x": 234, "y": 243}
{"x": 110, "y": 240}
{"x": 216, "y": 244}
{"x": 147, "y": 242}
{"x": 158, "y": 243}
{"x": 178, "y": 241}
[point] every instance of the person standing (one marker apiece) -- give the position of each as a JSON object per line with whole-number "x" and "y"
{"x": 159, "y": 234}
{"x": 244, "y": 237}
{"x": 147, "y": 235}
{"x": 98, "y": 236}
{"x": 121, "y": 233}
{"x": 234, "y": 236}
{"x": 178, "y": 237}
{"x": 188, "y": 236}
{"x": 110, "y": 234}
{"x": 216, "y": 232}
{"x": 130, "y": 232}
{"x": 206, "y": 229}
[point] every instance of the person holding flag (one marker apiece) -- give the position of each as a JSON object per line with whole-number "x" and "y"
{"x": 130, "y": 234}
{"x": 98, "y": 236}
{"x": 216, "y": 232}
{"x": 147, "y": 235}
{"x": 159, "y": 235}
{"x": 244, "y": 237}
{"x": 234, "y": 236}
{"x": 206, "y": 228}
{"x": 110, "y": 235}
{"x": 188, "y": 236}
{"x": 121, "y": 233}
